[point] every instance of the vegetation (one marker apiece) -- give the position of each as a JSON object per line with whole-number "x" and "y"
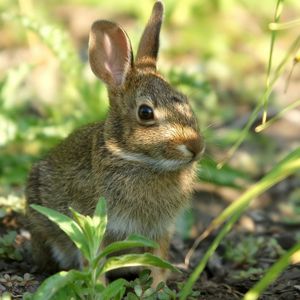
{"x": 87, "y": 234}
{"x": 214, "y": 51}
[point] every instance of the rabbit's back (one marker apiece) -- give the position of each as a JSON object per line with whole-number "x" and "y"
{"x": 64, "y": 178}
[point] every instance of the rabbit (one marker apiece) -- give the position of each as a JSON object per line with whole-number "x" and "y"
{"x": 142, "y": 158}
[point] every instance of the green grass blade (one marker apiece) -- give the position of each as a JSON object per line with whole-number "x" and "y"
{"x": 208, "y": 171}
{"x": 245, "y": 130}
{"x": 277, "y": 15}
{"x": 135, "y": 260}
{"x": 66, "y": 224}
{"x": 187, "y": 289}
{"x": 287, "y": 58}
{"x": 278, "y": 116}
{"x": 286, "y": 167}
{"x": 277, "y": 73}
{"x": 272, "y": 274}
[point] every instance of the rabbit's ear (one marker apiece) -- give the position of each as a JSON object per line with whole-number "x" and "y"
{"x": 149, "y": 44}
{"x": 110, "y": 53}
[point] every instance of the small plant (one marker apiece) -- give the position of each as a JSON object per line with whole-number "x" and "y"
{"x": 247, "y": 253}
{"x": 87, "y": 233}
{"x": 141, "y": 289}
{"x": 7, "y": 246}
{"x": 243, "y": 252}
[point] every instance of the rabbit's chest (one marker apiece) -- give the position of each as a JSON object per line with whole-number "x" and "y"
{"x": 147, "y": 206}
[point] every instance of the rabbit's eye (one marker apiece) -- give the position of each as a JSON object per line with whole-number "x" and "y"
{"x": 146, "y": 112}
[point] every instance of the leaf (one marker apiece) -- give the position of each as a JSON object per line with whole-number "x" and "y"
{"x": 9, "y": 238}
{"x": 131, "y": 296}
{"x": 66, "y": 224}
{"x": 133, "y": 260}
{"x": 133, "y": 241}
{"x": 149, "y": 292}
{"x": 100, "y": 219}
{"x": 55, "y": 283}
{"x": 163, "y": 296}
{"x": 93, "y": 228}
{"x": 144, "y": 276}
{"x": 114, "y": 289}
{"x": 160, "y": 286}
{"x": 88, "y": 231}
{"x": 226, "y": 176}
{"x": 138, "y": 290}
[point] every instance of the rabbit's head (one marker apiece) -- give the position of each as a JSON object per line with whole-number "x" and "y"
{"x": 149, "y": 122}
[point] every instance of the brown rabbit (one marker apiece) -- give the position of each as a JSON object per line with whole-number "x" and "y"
{"x": 141, "y": 158}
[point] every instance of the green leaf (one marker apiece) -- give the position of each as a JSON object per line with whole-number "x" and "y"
{"x": 93, "y": 228}
{"x": 66, "y": 224}
{"x": 138, "y": 290}
{"x": 133, "y": 260}
{"x": 160, "y": 286}
{"x": 114, "y": 289}
{"x": 149, "y": 292}
{"x": 99, "y": 287}
{"x": 100, "y": 219}
{"x": 208, "y": 171}
{"x": 55, "y": 283}
{"x": 144, "y": 276}
{"x": 85, "y": 223}
{"x": 131, "y": 296}
{"x": 163, "y": 296}
{"x": 66, "y": 293}
{"x": 133, "y": 241}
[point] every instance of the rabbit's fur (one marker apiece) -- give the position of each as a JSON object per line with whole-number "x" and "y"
{"x": 144, "y": 168}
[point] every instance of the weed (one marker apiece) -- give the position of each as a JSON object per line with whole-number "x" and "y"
{"x": 87, "y": 233}
{"x": 7, "y": 246}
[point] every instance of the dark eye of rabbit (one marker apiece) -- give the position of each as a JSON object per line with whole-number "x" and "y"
{"x": 145, "y": 113}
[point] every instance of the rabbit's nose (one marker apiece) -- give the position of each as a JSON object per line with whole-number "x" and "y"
{"x": 195, "y": 146}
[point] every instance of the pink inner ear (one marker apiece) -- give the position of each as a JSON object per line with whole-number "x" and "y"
{"x": 113, "y": 60}
{"x": 109, "y": 52}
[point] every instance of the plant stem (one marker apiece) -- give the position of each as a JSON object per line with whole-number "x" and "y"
{"x": 278, "y": 116}
{"x": 277, "y": 15}
{"x": 277, "y": 73}
{"x": 283, "y": 26}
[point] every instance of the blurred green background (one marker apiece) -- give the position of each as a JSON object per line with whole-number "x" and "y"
{"x": 216, "y": 51}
